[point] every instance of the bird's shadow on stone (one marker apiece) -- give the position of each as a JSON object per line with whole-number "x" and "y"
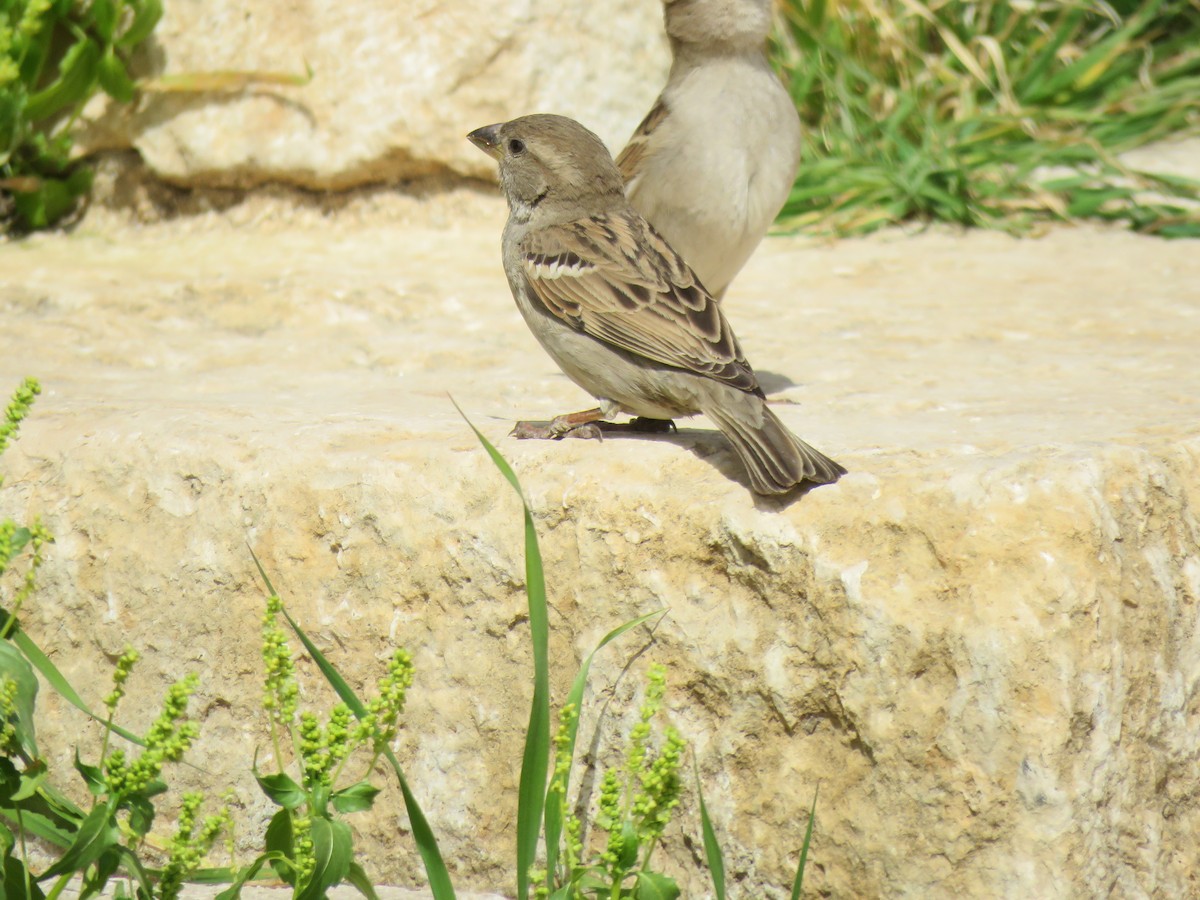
{"x": 713, "y": 448}
{"x": 773, "y": 382}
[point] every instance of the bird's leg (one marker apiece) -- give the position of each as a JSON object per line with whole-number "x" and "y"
{"x": 567, "y": 422}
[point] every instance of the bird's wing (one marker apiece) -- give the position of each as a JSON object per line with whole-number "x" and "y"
{"x": 630, "y": 159}
{"x": 614, "y": 278}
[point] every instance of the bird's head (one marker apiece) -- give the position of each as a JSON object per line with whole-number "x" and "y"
{"x": 551, "y": 163}
{"x": 711, "y": 24}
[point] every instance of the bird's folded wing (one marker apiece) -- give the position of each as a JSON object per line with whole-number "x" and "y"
{"x": 631, "y": 159}
{"x": 614, "y": 278}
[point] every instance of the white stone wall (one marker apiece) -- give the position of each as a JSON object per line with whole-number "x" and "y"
{"x": 396, "y": 86}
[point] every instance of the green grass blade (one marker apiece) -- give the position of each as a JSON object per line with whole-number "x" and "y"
{"x": 213, "y": 875}
{"x": 16, "y": 669}
{"x": 427, "y": 846}
{"x": 798, "y": 884}
{"x": 535, "y": 760}
{"x": 358, "y": 878}
{"x": 97, "y": 833}
{"x": 77, "y": 74}
{"x": 58, "y": 681}
{"x": 1082, "y": 72}
{"x": 712, "y": 849}
{"x": 249, "y": 873}
{"x": 41, "y": 826}
{"x": 423, "y": 836}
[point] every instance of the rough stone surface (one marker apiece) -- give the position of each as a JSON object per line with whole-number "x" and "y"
{"x": 396, "y": 85}
{"x": 982, "y": 644}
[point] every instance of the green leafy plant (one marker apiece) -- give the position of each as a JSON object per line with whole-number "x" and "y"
{"x": 54, "y": 56}
{"x": 288, "y": 849}
{"x": 989, "y": 113}
{"x": 308, "y": 844}
{"x": 14, "y": 538}
{"x": 111, "y": 838}
{"x": 634, "y": 807}
{"x": 113, "y": 833}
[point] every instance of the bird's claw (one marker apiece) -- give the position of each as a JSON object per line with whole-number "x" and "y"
{"x": 555, "y": 430}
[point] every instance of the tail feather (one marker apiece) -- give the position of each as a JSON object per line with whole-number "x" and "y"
{"x": 776, "y": 459}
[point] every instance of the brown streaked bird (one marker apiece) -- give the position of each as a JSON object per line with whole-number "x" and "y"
{"x": 713, "y": 162}
{"x": 619, "y": 310}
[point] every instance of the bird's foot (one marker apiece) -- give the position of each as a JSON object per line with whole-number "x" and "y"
{"x": 588, "y": 424}
{"x": 556, "y": 430}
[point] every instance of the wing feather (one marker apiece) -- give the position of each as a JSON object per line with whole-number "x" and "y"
{"x": 614, "y": 278}
{"x": 629, "y": 161}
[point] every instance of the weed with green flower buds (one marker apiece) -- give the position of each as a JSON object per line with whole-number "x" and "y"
{"x": 280, "y": 691}
{"x": 169, "y": 737}
{"x": 9, "y": 742}
{"x": 125, "y": 663}
{"x": 320, "y": 753}
{"x": 190, "y": 846}
{"x": 633, "y": 807}
{"x": 16, "y": 411}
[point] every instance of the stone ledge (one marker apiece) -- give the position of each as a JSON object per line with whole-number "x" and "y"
{"x": 982, "y": 643}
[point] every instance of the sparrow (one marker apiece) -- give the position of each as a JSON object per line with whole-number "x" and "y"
{"x": 713, "y": 162}
{"x": 619, "y": 310}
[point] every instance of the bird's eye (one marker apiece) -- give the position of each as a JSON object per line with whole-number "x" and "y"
{"x": 516, "y": 147}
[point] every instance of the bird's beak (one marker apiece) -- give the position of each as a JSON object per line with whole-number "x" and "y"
{"x": 487, "y": 139}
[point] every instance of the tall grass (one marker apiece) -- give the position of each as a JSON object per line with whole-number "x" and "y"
{"x": 988, "y": 113}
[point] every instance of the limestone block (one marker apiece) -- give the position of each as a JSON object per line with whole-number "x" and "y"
{"x": 982, "y": 644}
{"x": 397, "y": 84}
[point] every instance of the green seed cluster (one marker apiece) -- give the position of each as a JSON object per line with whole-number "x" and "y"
{"x": 22, "y": 400}
{"x": 572, "y": 827}
{"x": 38, "y": 537}
{"x": 380, "y": 723}
{"x": 302, "y": 845}
{"x": 567, "y": 717}
{"x": 610, "y": 818}
{"x": 166, "y": 741}
{"x": 660, "y": 787}
{"x": 658, "y": 782}
{"x": 188, "y": 848}
{"x": 13, "y": 536}
{"x": 125, "y": 665}
{"x": 656, "y": 688}
{"x": 9, "y": 743}
{"x": 636, "y": 800}
{"x": 280, "y": 691}
{"x": 12, "y": 44}
{"x": 323, "y": 749}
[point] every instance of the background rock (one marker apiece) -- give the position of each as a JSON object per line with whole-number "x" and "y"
{"x": 396, "y": 85}
{"x": 982, "y": 644}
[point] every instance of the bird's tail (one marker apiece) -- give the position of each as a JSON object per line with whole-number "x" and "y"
{"x": 776, "y": 459}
